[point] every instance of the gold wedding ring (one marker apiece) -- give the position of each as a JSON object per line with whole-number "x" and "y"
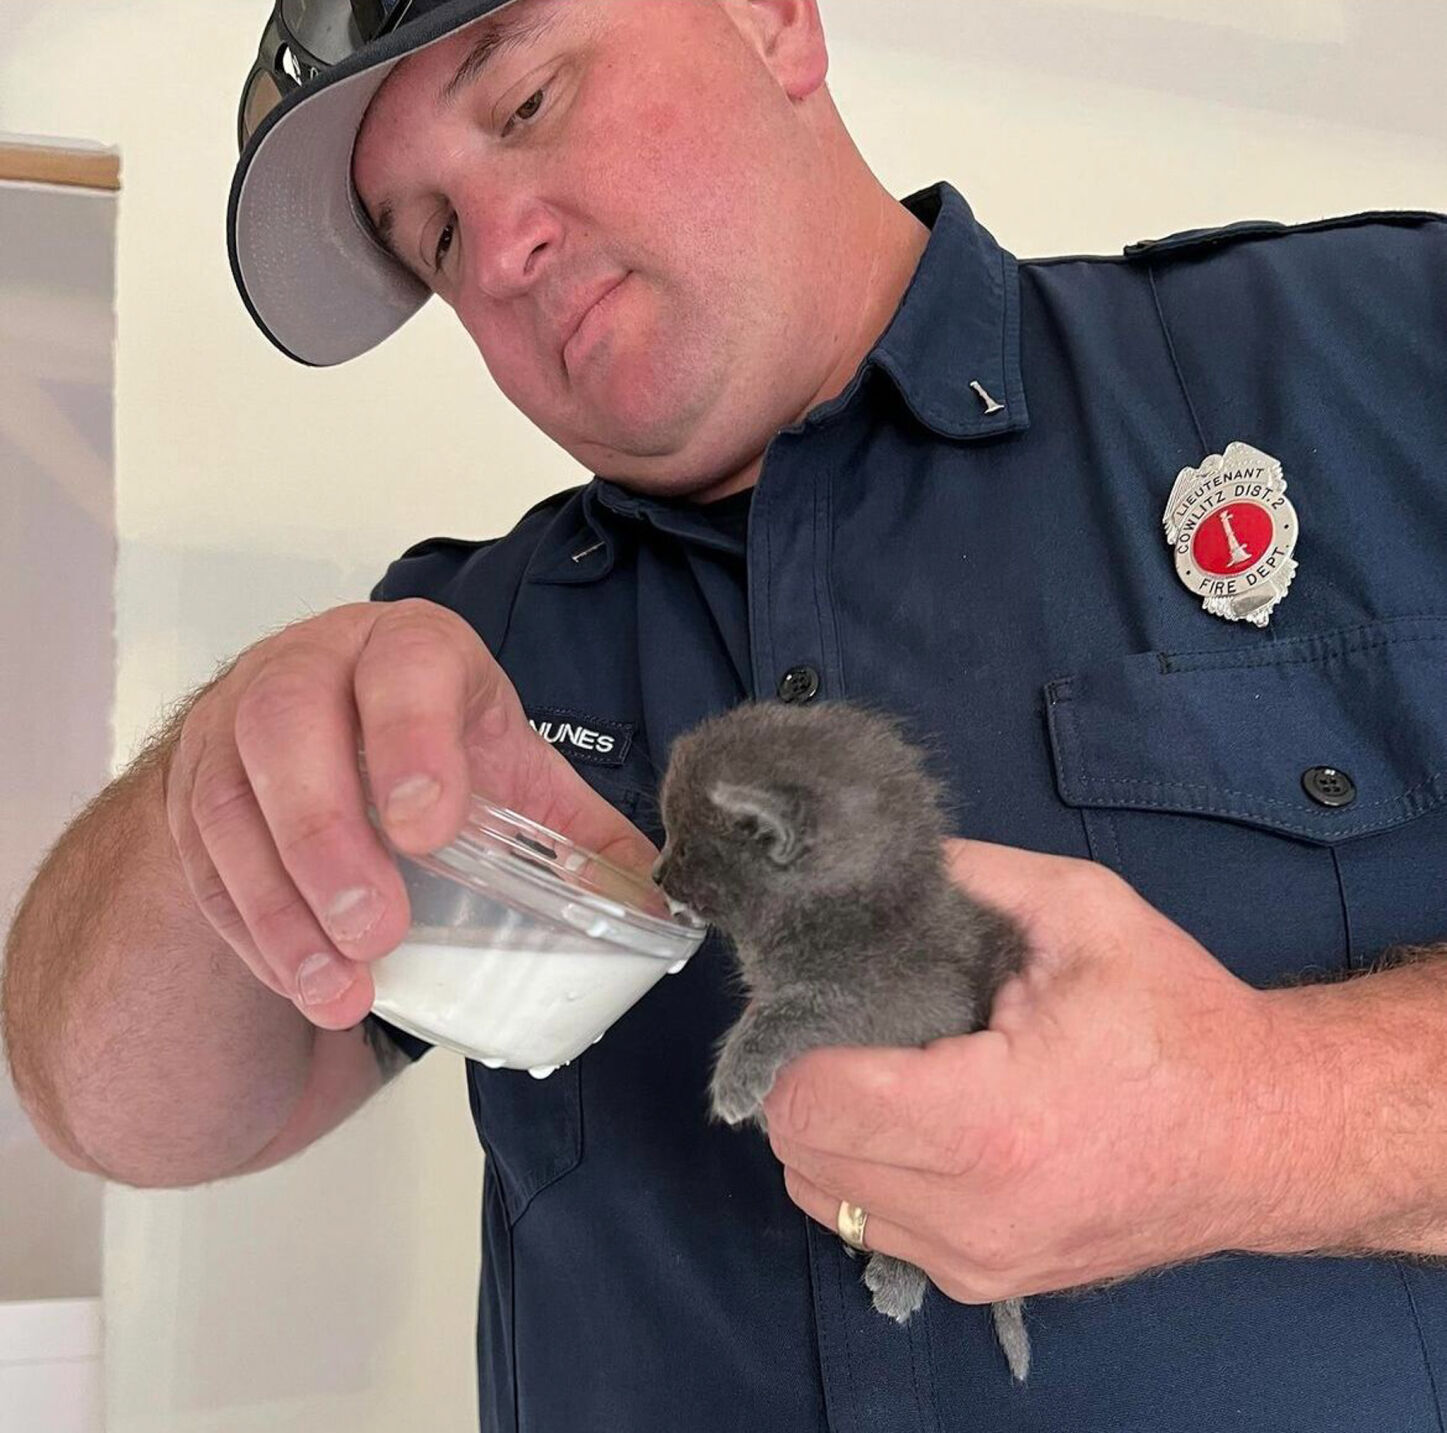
{"x": 850, "y": 1222}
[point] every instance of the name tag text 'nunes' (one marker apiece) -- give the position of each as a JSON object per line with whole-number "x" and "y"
{"x": 580, "y": 738}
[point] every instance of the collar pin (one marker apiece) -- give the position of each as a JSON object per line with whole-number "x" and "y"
{"x": 990, "y": 405}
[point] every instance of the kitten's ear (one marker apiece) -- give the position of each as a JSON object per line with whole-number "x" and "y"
{"x": 772, "y": 817}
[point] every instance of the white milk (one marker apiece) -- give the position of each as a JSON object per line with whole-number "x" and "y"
{"x": 526, "y": 1009}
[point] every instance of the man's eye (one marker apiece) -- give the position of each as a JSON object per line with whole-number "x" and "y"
{"x": 525, "y": 111}
{"x": 444, "y": 242}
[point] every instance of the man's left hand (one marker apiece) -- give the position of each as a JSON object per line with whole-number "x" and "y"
{"x": 1128, "y": 1106}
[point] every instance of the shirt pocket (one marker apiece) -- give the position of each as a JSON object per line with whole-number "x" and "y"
{"x": 532, "y": 1130}
{"x": 1194, "y": 773}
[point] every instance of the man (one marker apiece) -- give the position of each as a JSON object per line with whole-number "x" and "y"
{"x": 819, "y": 477}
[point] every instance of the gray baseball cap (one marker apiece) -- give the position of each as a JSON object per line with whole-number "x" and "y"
{"x": 312, "y": 273}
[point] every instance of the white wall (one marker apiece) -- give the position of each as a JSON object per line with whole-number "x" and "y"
{"x": 334, "y": 1295}
{"x": 51, "y": 1377}
{"x": 57, "y": 683}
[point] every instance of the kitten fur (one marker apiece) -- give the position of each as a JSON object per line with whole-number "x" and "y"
{"x": 812, "y": 837}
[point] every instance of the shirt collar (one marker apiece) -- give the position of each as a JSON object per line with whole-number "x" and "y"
{"x": 582, "y": 545}
{"x": 957, "y": 326}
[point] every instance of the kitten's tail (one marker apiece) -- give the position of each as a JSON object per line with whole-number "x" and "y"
{"x": 1009, "y": 1319}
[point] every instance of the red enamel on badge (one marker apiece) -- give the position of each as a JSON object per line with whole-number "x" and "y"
{"x": 1232, "y": 538}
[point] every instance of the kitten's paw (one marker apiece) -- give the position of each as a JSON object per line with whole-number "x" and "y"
{"x": 732, "y": 1107}
{"x": 736, "y": 1100}
{"x": 898, "y": 1288}
{"x": 740, "y": 1082}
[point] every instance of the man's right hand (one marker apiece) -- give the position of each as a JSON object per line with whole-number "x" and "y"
{"x": 266, "y": 805}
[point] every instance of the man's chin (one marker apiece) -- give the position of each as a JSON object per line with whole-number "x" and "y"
{"x": 657, "y": 470}
{"x": 669, "y": 444}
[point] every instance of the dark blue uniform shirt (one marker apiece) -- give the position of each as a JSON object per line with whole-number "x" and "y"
{"x": 993, "y": 568}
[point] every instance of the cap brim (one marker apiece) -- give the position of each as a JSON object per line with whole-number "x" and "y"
{"x": 310, "y": 270}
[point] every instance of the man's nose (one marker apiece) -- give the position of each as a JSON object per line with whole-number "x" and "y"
{"x": 515, "y": 238}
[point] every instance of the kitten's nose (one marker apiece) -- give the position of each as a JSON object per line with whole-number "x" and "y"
{"x": 660, "y": 868}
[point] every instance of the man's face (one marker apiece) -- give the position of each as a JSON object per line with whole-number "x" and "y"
{"x": 614, "y": 207}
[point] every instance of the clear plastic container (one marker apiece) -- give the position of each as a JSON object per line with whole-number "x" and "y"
{"x": 524, "y": 947}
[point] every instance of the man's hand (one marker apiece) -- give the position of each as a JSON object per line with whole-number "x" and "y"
{"x": 1126, "y": 1108}
{"x": 265, "y": 801}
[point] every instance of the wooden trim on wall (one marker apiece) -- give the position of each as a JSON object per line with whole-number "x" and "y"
{"x": 55, "y": 164}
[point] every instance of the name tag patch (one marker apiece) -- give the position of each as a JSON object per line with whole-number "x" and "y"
{"x": 583, "y": 738}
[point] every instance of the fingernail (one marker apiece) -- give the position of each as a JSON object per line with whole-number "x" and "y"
{"x": 411, "y": 798}
{"x": 353, "y": 913}
{"x": 322, "y": 978}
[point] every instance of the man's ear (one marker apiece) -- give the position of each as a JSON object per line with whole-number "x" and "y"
{"x": 769, "y": 817}
{"x": 789, "y": 38}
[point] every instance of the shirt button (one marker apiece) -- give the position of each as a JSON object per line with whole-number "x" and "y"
{"x": 1329, "y": 787}
{"x": 799, "y": 684}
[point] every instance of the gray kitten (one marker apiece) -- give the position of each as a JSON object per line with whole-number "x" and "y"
{"x": 812, "y": 836}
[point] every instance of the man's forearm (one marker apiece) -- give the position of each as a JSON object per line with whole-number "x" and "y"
{"x": 140, "y": 1044}
{"x": 1349, "y": 1150}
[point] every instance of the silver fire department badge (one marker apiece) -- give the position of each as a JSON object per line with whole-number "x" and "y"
{"x": 1234, "y": 531}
